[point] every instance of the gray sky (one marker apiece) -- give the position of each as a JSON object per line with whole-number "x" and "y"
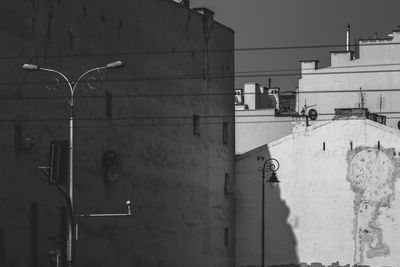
{"x": 272, "y": 23}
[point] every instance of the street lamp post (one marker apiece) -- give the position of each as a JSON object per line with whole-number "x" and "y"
{"x": 70, "y": 196}
{"x": 269, "y": 165}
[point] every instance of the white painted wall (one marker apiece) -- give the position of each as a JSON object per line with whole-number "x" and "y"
{"x": 254, "y": 128}
{"x": 313, "y": 214}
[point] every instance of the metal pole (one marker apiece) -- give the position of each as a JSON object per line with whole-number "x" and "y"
{"x": 270, "y": 165}
{"x": 72, "y": 86}
{"x": 71, "y": 184}
{"x": 263, "y": 220}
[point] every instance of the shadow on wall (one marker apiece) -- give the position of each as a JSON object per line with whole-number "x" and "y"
{"x": 280, "y": 239}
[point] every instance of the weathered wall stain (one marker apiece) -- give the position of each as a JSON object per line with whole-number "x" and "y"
{"x": 372, "y": 173}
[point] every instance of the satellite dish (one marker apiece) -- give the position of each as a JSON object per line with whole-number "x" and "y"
{"x": 312, "y": 114}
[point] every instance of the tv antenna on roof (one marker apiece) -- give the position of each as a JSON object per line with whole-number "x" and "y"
{"x": 312, "y": 113}
{"x": 305, "y": 107}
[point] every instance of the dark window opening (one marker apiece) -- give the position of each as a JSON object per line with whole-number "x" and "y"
{"x": 196, "y": 125}
{"x": 108, "y": 104}
{"x": 17, "y": 137}
{"x": 225, "y": 133}
{"x": 227, "y": 185}
{"x": 226, "y": 237}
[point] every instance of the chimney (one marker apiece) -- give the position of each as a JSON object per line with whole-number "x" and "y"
{"x": 356, "y": 55}
{"x": 348, "y": 38}
{"x": 269, "y": 82}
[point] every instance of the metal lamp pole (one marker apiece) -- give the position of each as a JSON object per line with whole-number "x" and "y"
{"x": 72, "y": 87}
{"x": 269, "y": 165}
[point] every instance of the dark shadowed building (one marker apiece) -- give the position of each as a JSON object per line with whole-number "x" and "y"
{"x": 166, "y": 120}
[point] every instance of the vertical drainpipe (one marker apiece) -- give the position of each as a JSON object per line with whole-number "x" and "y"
{"x": 34, "y": 260}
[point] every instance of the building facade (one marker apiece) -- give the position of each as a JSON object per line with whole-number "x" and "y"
{"x": 167, "y": 122}
{"x": 262, "y": 115}
{"x": 367, "y": 77}
{"x": 337, "y": 203}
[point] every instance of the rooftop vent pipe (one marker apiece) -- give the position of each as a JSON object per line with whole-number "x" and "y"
{"x": 348, "y": 38}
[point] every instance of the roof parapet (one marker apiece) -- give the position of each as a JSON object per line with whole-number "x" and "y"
{"x": 309, "y": 65}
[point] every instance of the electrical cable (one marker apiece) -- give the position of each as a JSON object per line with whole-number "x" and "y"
{"x": 106, "y": 119}
{"x": 225, "y": 75}
{"x": 190, "y": 51}
{"x": 218, "y": 124}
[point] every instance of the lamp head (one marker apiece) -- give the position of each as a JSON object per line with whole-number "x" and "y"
{"x": 116, "y": 64}
{"x": 273, "y": 180}
{"x": 30, "y": 67}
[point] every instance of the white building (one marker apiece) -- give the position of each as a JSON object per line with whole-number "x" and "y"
{"x": 338, "y": 200}
{"x": 370, "y": 80}
{"x": 262, "y": 115}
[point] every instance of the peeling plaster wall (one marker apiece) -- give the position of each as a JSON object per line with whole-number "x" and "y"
{"x": 373, "y": 174}
{"x": 341, "y": 203}
{"x": 174, "y": 178}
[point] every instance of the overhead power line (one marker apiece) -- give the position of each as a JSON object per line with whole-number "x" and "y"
{"x": 143, "y": 118}
{"x": 18, "y": 98}
{"x": 158, "y": 124}
{"x": 247, "y": 74}
{"x": 189, "y": 51}
{"x": 199, "y": 77}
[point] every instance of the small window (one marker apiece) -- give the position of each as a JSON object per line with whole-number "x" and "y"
{"x": 196, "y": 125}
{"x": 17, "y": 137}
{"x": 225, "y": 133}
{"x": 227, "y": 185}
{"x": 226, "y": 237}
{"x": 108, "y": 104}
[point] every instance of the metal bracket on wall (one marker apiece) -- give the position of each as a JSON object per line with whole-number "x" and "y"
{"x": 128, "y": 203}
{"x": 128, "y": 213}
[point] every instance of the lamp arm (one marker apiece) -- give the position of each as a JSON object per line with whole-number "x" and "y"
{"x": 62, "y": 75}
{"x": 272, "y": 166}
{"x": 84, "y": 74}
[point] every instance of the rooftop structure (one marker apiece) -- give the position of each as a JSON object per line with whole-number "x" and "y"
{"x": 365, "y": 78}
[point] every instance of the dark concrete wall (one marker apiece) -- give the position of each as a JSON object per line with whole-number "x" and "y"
{"x": 175, "y": 179}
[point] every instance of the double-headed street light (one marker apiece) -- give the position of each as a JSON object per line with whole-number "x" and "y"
{"x": 269, "y": 165}
{"x": 70, "y": 196}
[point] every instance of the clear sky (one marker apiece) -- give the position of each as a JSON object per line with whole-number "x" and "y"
{"x": 283, "y": 23}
